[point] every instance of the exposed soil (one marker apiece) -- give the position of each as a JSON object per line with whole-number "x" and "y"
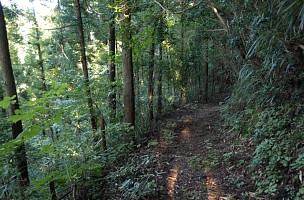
{"x": 191, "y": 158}
{"x": 200, "y": 161}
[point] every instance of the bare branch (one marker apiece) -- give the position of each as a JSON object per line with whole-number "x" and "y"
{"x": 218, "y": 15}
{"x": 176, "y": 12}
{"x": 214, "y": 30}
{"x": 211, "y": 4}
{"x": 162, "y": 7}
{"x": 189, "y": 8}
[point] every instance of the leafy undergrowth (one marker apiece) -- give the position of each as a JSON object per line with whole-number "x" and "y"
{"x": 190, "y": 157}
{"x": 276, "y": 134}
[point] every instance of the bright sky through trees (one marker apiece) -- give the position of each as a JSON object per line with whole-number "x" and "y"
{"x": 42, "y": 7}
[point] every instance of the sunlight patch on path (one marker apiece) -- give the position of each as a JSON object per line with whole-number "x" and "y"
{"x": 214, "y": 193}
{"x": 172, "y": 178}
{"x": 185, "y": 133}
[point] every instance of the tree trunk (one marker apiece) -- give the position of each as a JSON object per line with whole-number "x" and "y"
{"x": 206, "y": 76}
{"x": 112, "y": 70}
{"x": 9, "y": 82}
{"x": 85, "y": 65}
{"x": 137, "y": 75}
{"x": 53, "y": 189}
{"x": 159, "y": 81}
{"x": 103, "y": 133}
{"x": 40, "y": 61}
{"x": 182, "y": 70}
{"x": 150, "y": 81}
{"x": 213, "y": 84}
{"x": 52, "y": 185}
{"x": 128, "y": 87}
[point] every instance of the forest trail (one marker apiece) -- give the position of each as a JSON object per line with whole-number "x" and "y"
{"x": 191, "y": 148}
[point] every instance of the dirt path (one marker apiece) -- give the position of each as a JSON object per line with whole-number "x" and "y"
{"x": 191, "y": 158}
{"x": 191, "y": 147}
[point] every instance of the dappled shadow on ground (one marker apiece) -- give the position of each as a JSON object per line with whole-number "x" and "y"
{"x": 188, "y": 157}
{"x": 191, "y": 154}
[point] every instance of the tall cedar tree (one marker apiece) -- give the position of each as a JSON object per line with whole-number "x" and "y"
{"x": 112, "y": 71}
{"x": 160, "y": 76}
{"x": 9, "y": 82}
{"x": 160, "y": 64}
{"x": 128, "y": 88}
{"x": 206, "y": 74}
{"x": 150, "y": 80}
{"x": 85, "y": 65}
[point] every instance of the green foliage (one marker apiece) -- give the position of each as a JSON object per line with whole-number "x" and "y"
{"x": 265, "y": 103}
{"x": 167, "y": 134}
{"x": 137, "y": 178}
{"x": 5, "y": 103}
{"x": 120, "y": 145}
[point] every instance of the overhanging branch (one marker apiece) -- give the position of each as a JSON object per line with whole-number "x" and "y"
{"x": 176, "y": 12}
{"x": 211, "y": 4}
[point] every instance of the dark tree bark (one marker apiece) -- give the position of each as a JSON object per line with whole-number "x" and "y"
{"x": 213, "y": 84}
{"x": 182, "y": 70}
{"x": 128, "y": 77}
{"x": 85, "y": 65}
{"x": 159, "y": 82}
{"x": 9, "y": 82}
{"x": 112, "y": 70}
{"x": 206, "y": 76}
{"x": 160, "y": 67}
{"x": 150, "y": 81}
{"x": 53, "y": 190}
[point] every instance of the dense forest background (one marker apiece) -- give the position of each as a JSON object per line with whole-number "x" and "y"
{"x": 94, "y": 77}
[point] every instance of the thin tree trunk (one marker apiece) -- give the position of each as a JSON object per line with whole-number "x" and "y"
{"x": 112, "y": 70}
{"x": 213, "y": 84}
{"x": 139, "y": 78}
{"x": 182, "y": 70}
{"x": 103, "y": 133}
{"x": 85, "y": 65}
{"x": 40, "y": 61}
{"x": 41, "y": 68}
{"x": 150, "y": 81}
{"x": 61, "y": 39}
{"x": 159, "y": 81}
{"x": 200, "y": 82}
{"x": 160, "y": 64}
{"x": 206, "y": 76}
{"x": 128, "y": 88}
{"x": 137, "y": 75}
{"x": 9, "y": 81}
{"x": 53, "y": 190}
